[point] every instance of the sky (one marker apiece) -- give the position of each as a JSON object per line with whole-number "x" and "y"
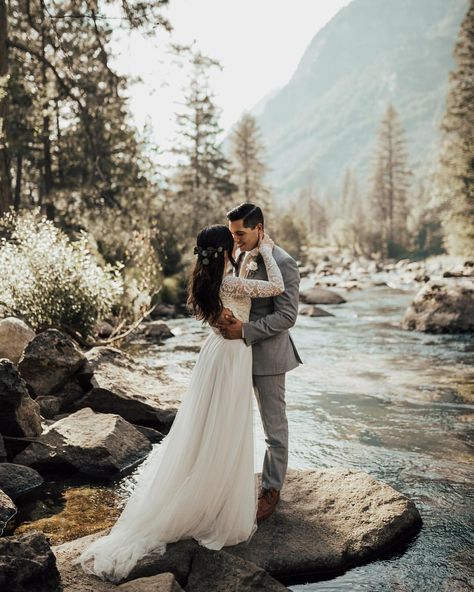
{"x": 258, "y": 42}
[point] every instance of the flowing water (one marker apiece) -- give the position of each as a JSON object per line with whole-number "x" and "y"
{"x": 371, "y": 396}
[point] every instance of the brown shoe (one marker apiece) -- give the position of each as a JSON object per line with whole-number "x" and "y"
{"x": 267, "y": 501}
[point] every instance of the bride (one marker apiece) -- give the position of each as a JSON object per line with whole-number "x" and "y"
{"x": 199, "y": 482}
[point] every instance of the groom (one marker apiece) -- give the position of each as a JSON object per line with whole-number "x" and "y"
{"x": 273, "y": 350}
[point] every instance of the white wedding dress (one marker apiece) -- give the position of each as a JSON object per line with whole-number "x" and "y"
{"x": 199, "y": 482}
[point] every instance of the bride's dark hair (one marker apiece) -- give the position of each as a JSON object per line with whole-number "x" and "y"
{"x": 203, "y": 291}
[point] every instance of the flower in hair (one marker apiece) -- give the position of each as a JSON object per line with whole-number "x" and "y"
{"x": 204, "y": 254}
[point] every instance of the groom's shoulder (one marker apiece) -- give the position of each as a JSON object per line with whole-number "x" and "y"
{"x": 281, "y": 256}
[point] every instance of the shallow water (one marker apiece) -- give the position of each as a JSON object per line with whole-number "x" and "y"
{"x": 371, "y": 396}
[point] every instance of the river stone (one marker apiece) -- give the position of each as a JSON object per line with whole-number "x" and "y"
{"x": 442, "y": 307}
{"x": 97, "y": 444}
{"x": 157, "y": 330}
{"x": 314, "y": 311}
{"x": 7, "y": 510}
{"x": 327, "y": 521}
{"x": 165, "y": 311}
{"x": 49, "y": 360}
{"x": 74, "y": 388}
{"x": 164, "y": 582}
{"x": 16, "y": 480}
{"x": 319, "y": 295}
{"x": 19, "y": 413}
{"x": 221, "y": 572}
{"x": 27, "y": 564}
{"x": 122, "y": 385}
{"x": 49, "y": 405}
{"x": 14, "y": 337}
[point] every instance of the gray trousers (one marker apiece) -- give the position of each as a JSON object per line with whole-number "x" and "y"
{"x": 270, "y": 395}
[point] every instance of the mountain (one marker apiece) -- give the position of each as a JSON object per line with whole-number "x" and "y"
{"x": 371, "y": 53}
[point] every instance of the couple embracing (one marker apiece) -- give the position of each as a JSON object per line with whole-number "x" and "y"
{"x": 200, "y": 482}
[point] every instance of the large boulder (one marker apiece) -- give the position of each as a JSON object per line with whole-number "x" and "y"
{"x": 121, "y": 385}
{"x": 327, "y": 521}
{"x": 27, "y": 564}
{"x": 442, "y": 307}
{"x": 19, "y": 413}
{"x": 14, "y": 337}
{"x": 7, "y": 511}
{"x": 319, "y": 295}
{"x": 96, "y": 444}
{"x": 15, "y": 480}
{"x": 49, "y": 360}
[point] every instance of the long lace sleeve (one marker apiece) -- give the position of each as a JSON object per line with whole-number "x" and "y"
{"x": 257, "y": 288}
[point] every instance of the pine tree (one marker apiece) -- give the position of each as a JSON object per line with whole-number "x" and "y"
{"x": 203, "y": 186}
{"x": 390, "y": 185}
{"x": 247, "y": 154}
{"x": 455, "y": 177}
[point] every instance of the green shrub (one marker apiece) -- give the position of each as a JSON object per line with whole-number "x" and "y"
{"x": 48, "y": 280}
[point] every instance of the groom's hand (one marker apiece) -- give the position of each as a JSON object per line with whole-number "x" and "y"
{"x": 230, "y": 328}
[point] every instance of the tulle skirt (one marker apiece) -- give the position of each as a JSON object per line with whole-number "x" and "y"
{"x": 199, "y": 482}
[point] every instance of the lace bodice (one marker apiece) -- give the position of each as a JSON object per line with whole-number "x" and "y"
{"x": 236, "y": 293}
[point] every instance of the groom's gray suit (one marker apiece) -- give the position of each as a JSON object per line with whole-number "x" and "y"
{"x": 274, "y": 354}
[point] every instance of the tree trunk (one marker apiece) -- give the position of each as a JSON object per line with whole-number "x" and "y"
{"x": 5, "y": 174}
{"x": 19, "y": 165}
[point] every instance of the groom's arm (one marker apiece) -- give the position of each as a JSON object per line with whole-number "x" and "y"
{"x": 286, "y": 308}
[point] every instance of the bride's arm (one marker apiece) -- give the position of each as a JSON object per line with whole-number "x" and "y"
{"x": 258, "y": 288}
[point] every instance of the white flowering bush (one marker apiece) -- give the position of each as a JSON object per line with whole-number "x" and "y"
{"x": 49, "y": 280}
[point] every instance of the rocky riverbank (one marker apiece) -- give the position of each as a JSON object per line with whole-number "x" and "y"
{"x": 97, "y": 413}
{"x": 444, "y": 303}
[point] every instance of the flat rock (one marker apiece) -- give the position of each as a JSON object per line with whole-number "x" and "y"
{"x": 319, "y": 295}
{"x": 164, "y": 582}
{"x": 27, "y": 564}
{"x": 7, "y": 511}
{"x": 49, "y": 360}
{"x": 314, "y": 311}
{"x": 19, "y": 413}
{"x": 442, "y": 307}
{"x": 97, "y": 444}
{"x": 15, "y": 335}
{"x": 326, "y": 522}
{"x": 15, "y": 480}
{"x": 122, "y": 385}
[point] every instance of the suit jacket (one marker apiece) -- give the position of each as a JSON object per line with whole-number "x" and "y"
{"x": 273, "y": 349}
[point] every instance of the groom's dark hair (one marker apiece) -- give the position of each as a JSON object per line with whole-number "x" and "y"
{"x": 249, "y": 213}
